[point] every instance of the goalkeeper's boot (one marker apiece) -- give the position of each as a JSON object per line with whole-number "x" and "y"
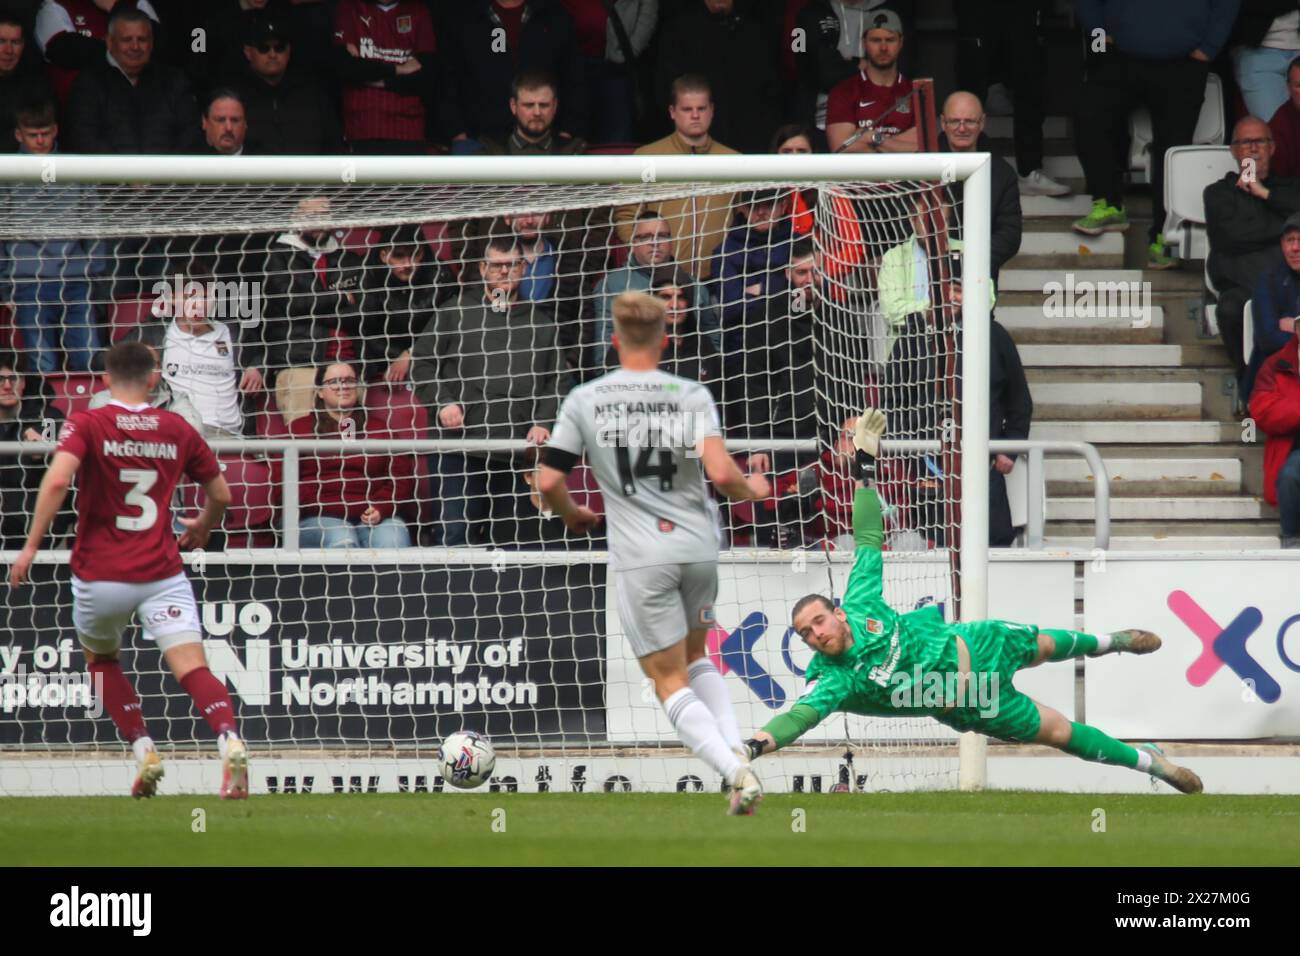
{"x": 746, "y": 792}
{"x": 1180, "y": 778}
{"x": 1133, "y": 641}
{"x": 234, "y": 771}
{"x": 148, "y": 773}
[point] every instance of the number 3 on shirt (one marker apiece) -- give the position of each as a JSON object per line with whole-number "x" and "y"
{"x": 664, "y": 470}
{"x": 141, "y": 481}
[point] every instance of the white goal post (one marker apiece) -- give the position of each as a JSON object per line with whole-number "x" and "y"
{"x": 162, "y": 197}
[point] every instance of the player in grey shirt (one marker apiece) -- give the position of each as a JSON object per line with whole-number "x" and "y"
{"x": 651, "y": 439}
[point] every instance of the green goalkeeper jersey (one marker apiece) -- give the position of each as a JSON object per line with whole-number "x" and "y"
{"x": 890, "y": 652}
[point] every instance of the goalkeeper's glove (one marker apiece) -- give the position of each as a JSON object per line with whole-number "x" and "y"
{"x": 866, "y": 441}
{"x": 755, "y": 748}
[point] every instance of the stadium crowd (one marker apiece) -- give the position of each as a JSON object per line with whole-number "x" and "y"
{"x": 477, "y": 329}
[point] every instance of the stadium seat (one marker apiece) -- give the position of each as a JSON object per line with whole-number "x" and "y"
{"x": 359, "y": 239}
{"x": 72, "y": 390}
{"x": 126, "y": 314}
{"x": 406, "y": 417}
{"x": 1209, "y": 130}
{"x": 1188, "y": 170}
{"x": 268, "y": 422}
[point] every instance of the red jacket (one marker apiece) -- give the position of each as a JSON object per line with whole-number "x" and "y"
{"x": 1285, "y": 127}
{"x": 344, "y": 486}
{"x": 1275, "y": 407}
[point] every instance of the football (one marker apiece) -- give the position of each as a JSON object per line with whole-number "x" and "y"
{"x": 467, "y": 759}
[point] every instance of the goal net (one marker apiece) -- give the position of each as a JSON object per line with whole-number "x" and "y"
{"x": 374, "y": 348}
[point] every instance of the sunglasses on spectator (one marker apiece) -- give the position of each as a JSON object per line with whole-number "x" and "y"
{"x": 1251, "y": 142}
{"x": 653, "y": 237}
{"x": 342, "y": 381}
{"x": 272, "y": 47}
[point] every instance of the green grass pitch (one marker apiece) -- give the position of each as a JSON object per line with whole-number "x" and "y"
{"x": 926, "y": 829}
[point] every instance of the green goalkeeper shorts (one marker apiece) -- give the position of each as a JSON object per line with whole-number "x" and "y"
{"x": 993, "y": 706}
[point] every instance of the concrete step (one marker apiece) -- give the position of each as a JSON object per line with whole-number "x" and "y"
{"x": 1147, "y": 476}
{"x": 1199, "y": 541}
{"x": 1100, "y": 432}
{"x": 1100, "y": 356}
{"x": 1056, "y": 249}
{"x": 1032, "y": 324}
{"x": 1090, "y": 401}
{"x": 1054, "y": 127}
{"x": 1044, "y": 207}
{"x": 1163, "y": 508}
{"x": 1038, "y": 280}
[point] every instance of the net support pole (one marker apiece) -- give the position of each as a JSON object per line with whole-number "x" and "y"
{"x": 977, "y": 227}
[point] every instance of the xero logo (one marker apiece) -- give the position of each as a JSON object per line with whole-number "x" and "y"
{"x": 1227, "y": 645}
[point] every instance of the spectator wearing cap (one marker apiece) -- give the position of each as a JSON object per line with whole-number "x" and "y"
{"x": 225, "y": 25}
{"x": 21, "y": 79}
{"x": 289, "y": 110}
{"x": 224, "y": 124}
{"x": 1275, "y": 408}
{"x": 872, "y": 111}
{"x": 1007, "y": 39}
{"x": 534, "y": 103}
{"x": 698, "y": 223}
{"x": 1244, "y": 215}
{"x": 1275, "y": 303}
{"x": 1285, "y": 126}
{"x": 963, "y": 132}
{"x": 1156, "y": 53}
{"x": 724, "y": 43}
{"x": 128, "y": 102}
{"x": 73, "y": 35}
{"x": 497, "y": 40}
{"x": 386, "y": 55}
{"x": 832, "y": 49}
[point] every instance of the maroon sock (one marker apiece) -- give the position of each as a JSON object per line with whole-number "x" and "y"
{"x": 118, "y": 698}
{"x": 211, "y": 699}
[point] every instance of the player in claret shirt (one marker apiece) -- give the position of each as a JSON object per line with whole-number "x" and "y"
{"x": 125, "y": 560}
{"x": 874, "y": 661}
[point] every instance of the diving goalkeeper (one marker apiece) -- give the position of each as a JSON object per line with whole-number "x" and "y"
{"x": 871, "y": 660}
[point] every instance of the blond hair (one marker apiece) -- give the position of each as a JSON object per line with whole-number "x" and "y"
{"x": 639, "y": 320}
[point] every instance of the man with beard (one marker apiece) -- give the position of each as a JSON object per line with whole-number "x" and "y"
{"x": 534, "y": 103}
{"x": 872, "y": 112}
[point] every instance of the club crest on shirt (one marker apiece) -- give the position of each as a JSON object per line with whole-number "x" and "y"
{"x": 223, "y": 349}
{"x": 874, "y": 626}
{"x": 665, "y": 525}
{"x": 403, "y": 24}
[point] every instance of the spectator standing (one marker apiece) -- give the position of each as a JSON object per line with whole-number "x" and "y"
{"x": 348, "y": 500}
{"x": 289, "y": 110}
{"x": 1275, "y": 407}
{"x": 1275, "y": 304}
{"x": 497, "y": 40}
{"x": 611, "y": 36}
{"x": 1285, "y": 126}
{"x": 729, "y": 48}
{"x": 1265, "y": 42}
{"x": 1005, "y": 38}
{"x": 160, "y": 396}
{"x": 1244, "y": 215}
{"x": 129, "y": 103}
{"x": 23, "y": 417}
{"x": 20, "y": 76}
{"x": 386, "y": 55}
{"x": 73, "y": 35}
{"x": 698, "y": 223}
{"x": 487, "y": 367}
{"x": 1011, "y": 410}
{"x": 1156, "y": 52}
{"x": 225, "y": 25}
{"x": 534, "y": 103}
{"x": 51, "y": 277}
{"x": 963, "y": 132}
{"x": 872, "y": 111}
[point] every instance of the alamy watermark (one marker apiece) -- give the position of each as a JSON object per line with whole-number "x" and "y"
{"x": 21, "y": 689}
{"x": 1090, "y": 300}
{"x": 233, "y": 301}
{"x": 919, "y": 689}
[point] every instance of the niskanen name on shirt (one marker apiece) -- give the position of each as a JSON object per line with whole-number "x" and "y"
{"x": 141, "y": 449}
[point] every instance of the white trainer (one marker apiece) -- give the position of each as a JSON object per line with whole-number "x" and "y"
{"x": 1038, "y": 183}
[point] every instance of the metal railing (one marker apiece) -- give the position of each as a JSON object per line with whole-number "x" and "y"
{"x": 291, "y": 450}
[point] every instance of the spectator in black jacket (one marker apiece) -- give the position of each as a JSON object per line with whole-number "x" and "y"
{"x": 24, "y": 416}
{"x": 128, "y": 103}
{"x": 21, "y": 79}
{"x": 727, "y": 45}
{"x": 495, "y": 41}
{"x": 225, "y": 25}
{"x": 225, "y": 127}
{"x": 289, "y": 110}
{"x": 306, "y": 296}
{"x": 1244, "y": 215}
{"x": 963, "y": 132}
{"x": 1011, "y": 409}
{"x": 72, "y": 35}
{"x": 534, "y": 103}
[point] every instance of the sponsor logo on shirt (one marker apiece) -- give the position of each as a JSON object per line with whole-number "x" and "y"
{"x": 874, "y": 626}
{"x": 137, "y": 423}
{"x": 666, "y": 526}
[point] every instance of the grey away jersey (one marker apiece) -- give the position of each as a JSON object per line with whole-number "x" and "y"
{"x": 640, "y": 431}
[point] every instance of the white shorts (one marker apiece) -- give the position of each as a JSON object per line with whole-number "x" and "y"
{"x": 101, "y": 610}
{"x": 659, "y": 604}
